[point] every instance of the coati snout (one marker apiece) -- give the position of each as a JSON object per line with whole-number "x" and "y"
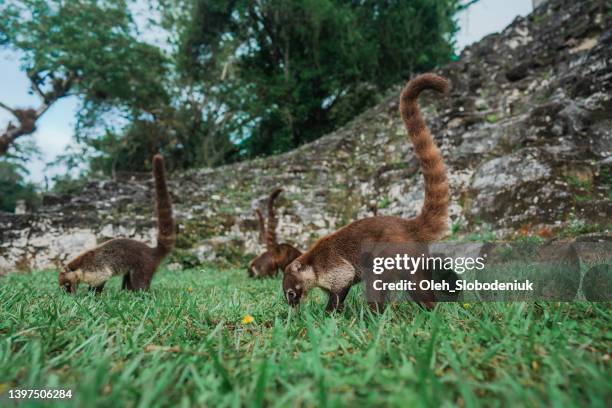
{"x": 68, "y": 280}
{"x": 298, "y": 279}
{"x": 292, "y": 288}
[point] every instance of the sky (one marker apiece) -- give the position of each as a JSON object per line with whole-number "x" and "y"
{"x": 55, "y": 128}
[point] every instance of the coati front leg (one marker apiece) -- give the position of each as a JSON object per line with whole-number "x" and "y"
{"x": 341, "y": 278}
{"x": 336, "y": 299}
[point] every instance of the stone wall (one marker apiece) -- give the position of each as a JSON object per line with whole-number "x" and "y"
{"x": 537, "y": 3}
{"x": 526, "y": 134}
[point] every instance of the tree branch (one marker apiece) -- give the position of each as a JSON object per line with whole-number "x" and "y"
{"x": 34, "y": 80}
{"x": 8, "y": 108}
{"x": 27, "y": 118}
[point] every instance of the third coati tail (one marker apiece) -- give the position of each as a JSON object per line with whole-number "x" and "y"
{"x": 333, "y": 262}
{"x": 277, "y": 256}
{"x": 262, "y": 226}
{"x": 136, "y": 261}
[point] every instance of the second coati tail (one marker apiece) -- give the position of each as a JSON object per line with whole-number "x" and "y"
{"x": 432, "y": 220}
{"x": 334, "y": 262}
{"x": 262, "y": 226}
{"x": 271, "y": 228}
{"x": 277, "y": 256}
{"x": 165, "y": 222}
{"x": 134, "y": 260}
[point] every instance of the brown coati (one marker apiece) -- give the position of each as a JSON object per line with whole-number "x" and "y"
{"x": 333, "y": 262}
{"x": 134, "y": 260}
{"x": 277, "y": 256}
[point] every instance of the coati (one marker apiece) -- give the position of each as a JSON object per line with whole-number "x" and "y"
{"x": 134, "y": 260}
{"x": 333, "y": 262}
{"x": 277, "y": 256}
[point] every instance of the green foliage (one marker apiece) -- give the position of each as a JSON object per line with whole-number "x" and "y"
{"x": 579, "y": 183}
{"x": 233, "y": 79}
{"x": 605, "y": 177}
{"x": 311, "y": 66}
{"x": 66, "y": 184}
{"x": 581, "y": 187}
{"x": 456, "y": 228}
{"x": 93, "y": 42}
{"x": 484, "y": 234}
{"x": 604, "y": 180}
{"x": 91, "y": 49}
{"x": 13, "y": 187}
{"x": 492, "y": 118}
{"x": 185, "y": 344}
{"x": 577, "y": 227}
{"x": 384, "y": 202}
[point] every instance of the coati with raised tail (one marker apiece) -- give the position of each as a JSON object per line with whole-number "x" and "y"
{"x": 333, "y": 262}
{"x": 136, "y": 261}
{"x": 277, "y": 256}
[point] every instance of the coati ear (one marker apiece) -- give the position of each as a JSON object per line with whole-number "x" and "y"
{"x": 291, "y": 267}
{"x": 86, "y": 258}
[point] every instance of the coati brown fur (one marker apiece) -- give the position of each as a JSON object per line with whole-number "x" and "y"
{"x": 333, "y": 262}
{"x": 136, "y": 261}
{"x": 277, "y": 256}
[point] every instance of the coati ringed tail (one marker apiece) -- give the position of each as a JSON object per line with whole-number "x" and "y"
{"x": 136, "y": 261}
{"x": 271, "y": 243}
{"x": 277, "y": 256}
{"x": 262, "y": 225}
{"x": 333, "y": 262}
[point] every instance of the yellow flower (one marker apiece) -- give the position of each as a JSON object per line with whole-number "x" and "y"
{"x": 466, "y": 305}
{"x": 189, "y": 289}
{"x": 248, "y": 319}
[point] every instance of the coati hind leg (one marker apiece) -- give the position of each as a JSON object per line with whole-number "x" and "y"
{"x": 97, "y": 289}
{"x": 140, "y": 280}
{"x": 126, "y": 284}
{"x": 378, "y": 301}
{"x": 425, "y": 298}
{"x": 336, "y": 300}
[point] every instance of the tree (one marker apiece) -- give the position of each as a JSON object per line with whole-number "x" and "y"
{"x": 309, "y": 66}
{"x": 198, "y": 123}
{"x": 80, "y": 47}
{"x": 235, "y": 78}
{"x": 13, "y": 187}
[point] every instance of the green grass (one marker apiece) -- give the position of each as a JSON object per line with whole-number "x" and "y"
{"x": 184, "y": 344}
{"x": 492, "y": 118}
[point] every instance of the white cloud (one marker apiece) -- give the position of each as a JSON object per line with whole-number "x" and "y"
{"x": 488, "y": 16}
